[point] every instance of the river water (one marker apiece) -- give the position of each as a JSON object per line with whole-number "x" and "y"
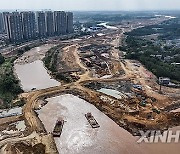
{"x": 30, "y": 69}
{"x": 105, "y": 24}
{"x": 10, "y": 112}
{"x": 78, "y": 137}
{"x": 34, "y": 75}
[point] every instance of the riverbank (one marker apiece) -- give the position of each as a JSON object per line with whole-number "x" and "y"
{"x": 9, "y": 84}
{"x": 71, "y": 101}
{"x": 30, "y": 70}
{"x": 78, "y": 136}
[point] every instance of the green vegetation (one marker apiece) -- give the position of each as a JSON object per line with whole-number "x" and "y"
{"x": 50, "y": 62}
{"x": 2, "y": 60}
{"x": 28, "y": 47}
{"x": 25, "y": 49}
{"x": 142, "y": 50}
{"x": 50, "y": 59}
{"x": 19, "y": 103}
{"x": 157, "y": 53}
{"x": 169, "y": 29}
{"x": 9, "y": 85}
{"x": 64, "y": 77}
{"x": 114, "y": 16}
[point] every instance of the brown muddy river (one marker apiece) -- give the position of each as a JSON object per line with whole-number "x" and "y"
{"x": 78, "y": 137}
{"x": 34, "y": 75}
{"x": 30, "y": 70}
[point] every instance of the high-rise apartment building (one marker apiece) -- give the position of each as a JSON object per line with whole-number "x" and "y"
{"x": 69, "y": 22}
{"x": 1, "y": 23}
{"x": 29, "y": 25}
{"x": 41, "y": 24}
{"x": 60, "y": 22}
{"x": 4, "y": 14}
{"x": 49, "y": 23}
{"x": 14, "y": 27}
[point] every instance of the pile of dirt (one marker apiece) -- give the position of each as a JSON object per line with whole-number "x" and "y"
{"x": 24, "y": 148}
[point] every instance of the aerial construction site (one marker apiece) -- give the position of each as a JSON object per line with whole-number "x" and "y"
{"x": 88, "y": 74}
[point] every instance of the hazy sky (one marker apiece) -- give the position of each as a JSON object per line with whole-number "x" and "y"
{"x": 91, "y": 4}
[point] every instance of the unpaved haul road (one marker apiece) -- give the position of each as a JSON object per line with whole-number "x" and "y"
{"x": 31, "y": 117}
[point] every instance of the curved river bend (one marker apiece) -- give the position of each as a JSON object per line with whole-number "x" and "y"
{"x": 78, "y": 137}
{"x": 30, "y": 69}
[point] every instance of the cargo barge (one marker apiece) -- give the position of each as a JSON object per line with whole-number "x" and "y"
{"x": 58, "y": 128}
{"x": 92, "y": 120}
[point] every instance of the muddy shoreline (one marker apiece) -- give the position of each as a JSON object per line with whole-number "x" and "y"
{"x": 133, "y": 128}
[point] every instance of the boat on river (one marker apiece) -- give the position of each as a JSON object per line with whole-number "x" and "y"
{"x": 92, "y": 121}
{"x": 58, "y": 128}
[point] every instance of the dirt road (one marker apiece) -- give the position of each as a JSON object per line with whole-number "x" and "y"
{"x": 71, "y": 56}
